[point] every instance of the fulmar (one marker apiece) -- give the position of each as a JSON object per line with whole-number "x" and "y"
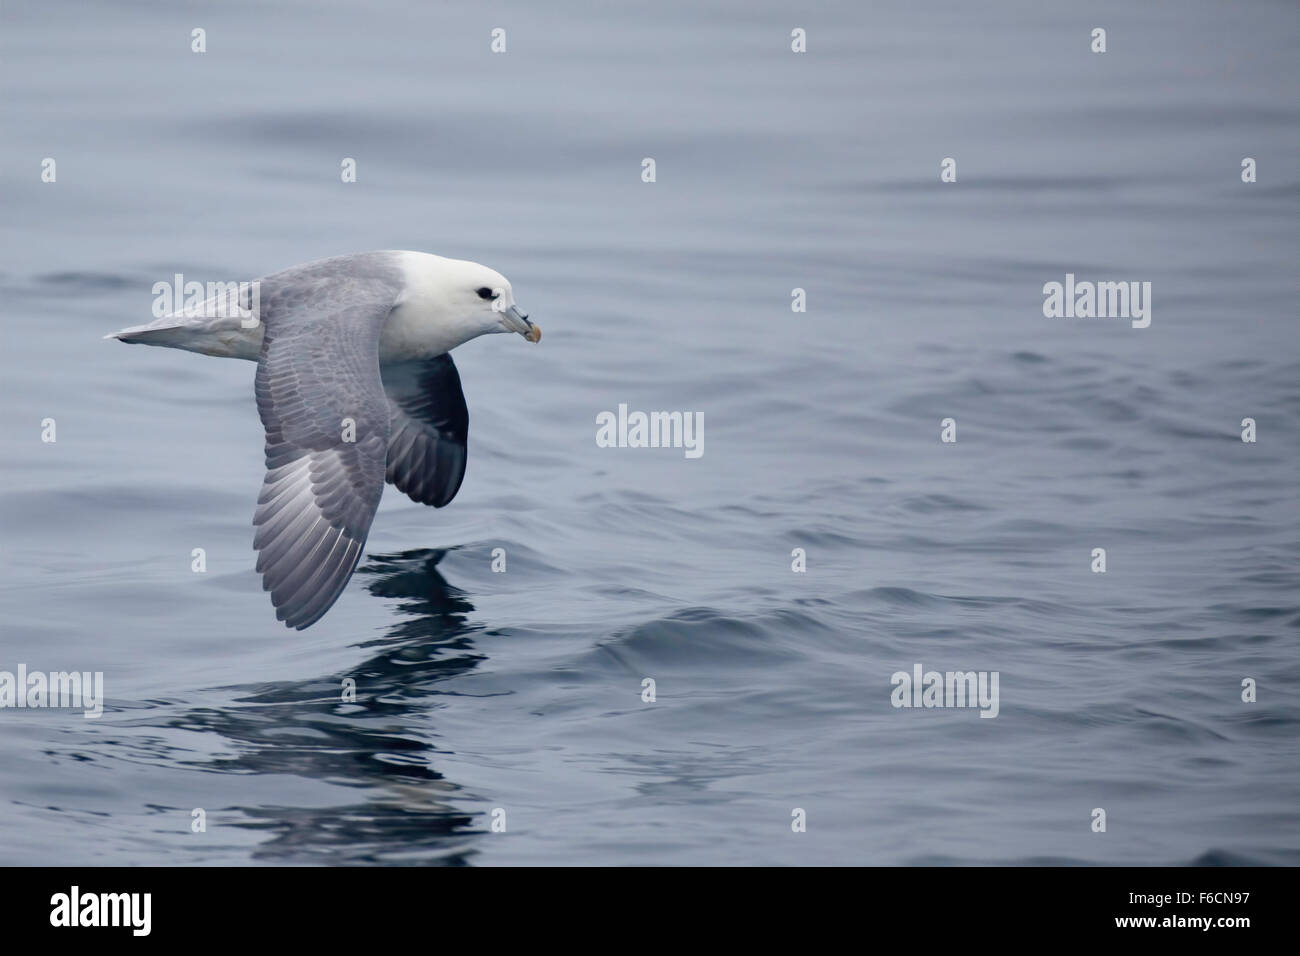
{"x": 355, "y": 386}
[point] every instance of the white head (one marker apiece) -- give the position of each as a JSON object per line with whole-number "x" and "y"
{"x": 484, "y": 297}
{"x": 448, "y": 302}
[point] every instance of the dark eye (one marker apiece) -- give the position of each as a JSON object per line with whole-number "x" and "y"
{"x": 485, "y": 293}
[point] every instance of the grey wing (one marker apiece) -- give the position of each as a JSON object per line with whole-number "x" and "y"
{"x": 322, "y": 403}
{"x": 428, "y": 445}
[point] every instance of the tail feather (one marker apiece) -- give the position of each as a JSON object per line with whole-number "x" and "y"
{"x": 149, "y": 334}
{"x": 223, "y": 338}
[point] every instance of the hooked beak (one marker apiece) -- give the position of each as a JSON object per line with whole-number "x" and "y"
{"x": 516, "y": 321}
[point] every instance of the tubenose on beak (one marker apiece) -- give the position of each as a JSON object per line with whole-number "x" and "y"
{"x": 516, "y": 321}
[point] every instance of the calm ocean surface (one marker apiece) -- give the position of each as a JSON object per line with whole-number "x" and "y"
{"x": 520, "y": 692}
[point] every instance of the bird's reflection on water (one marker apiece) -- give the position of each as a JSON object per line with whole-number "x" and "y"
{"x": 405, "y": 812}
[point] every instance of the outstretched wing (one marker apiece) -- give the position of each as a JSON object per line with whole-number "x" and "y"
{"x": 322, "y": 403}
{"x": 427, "y": 448}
